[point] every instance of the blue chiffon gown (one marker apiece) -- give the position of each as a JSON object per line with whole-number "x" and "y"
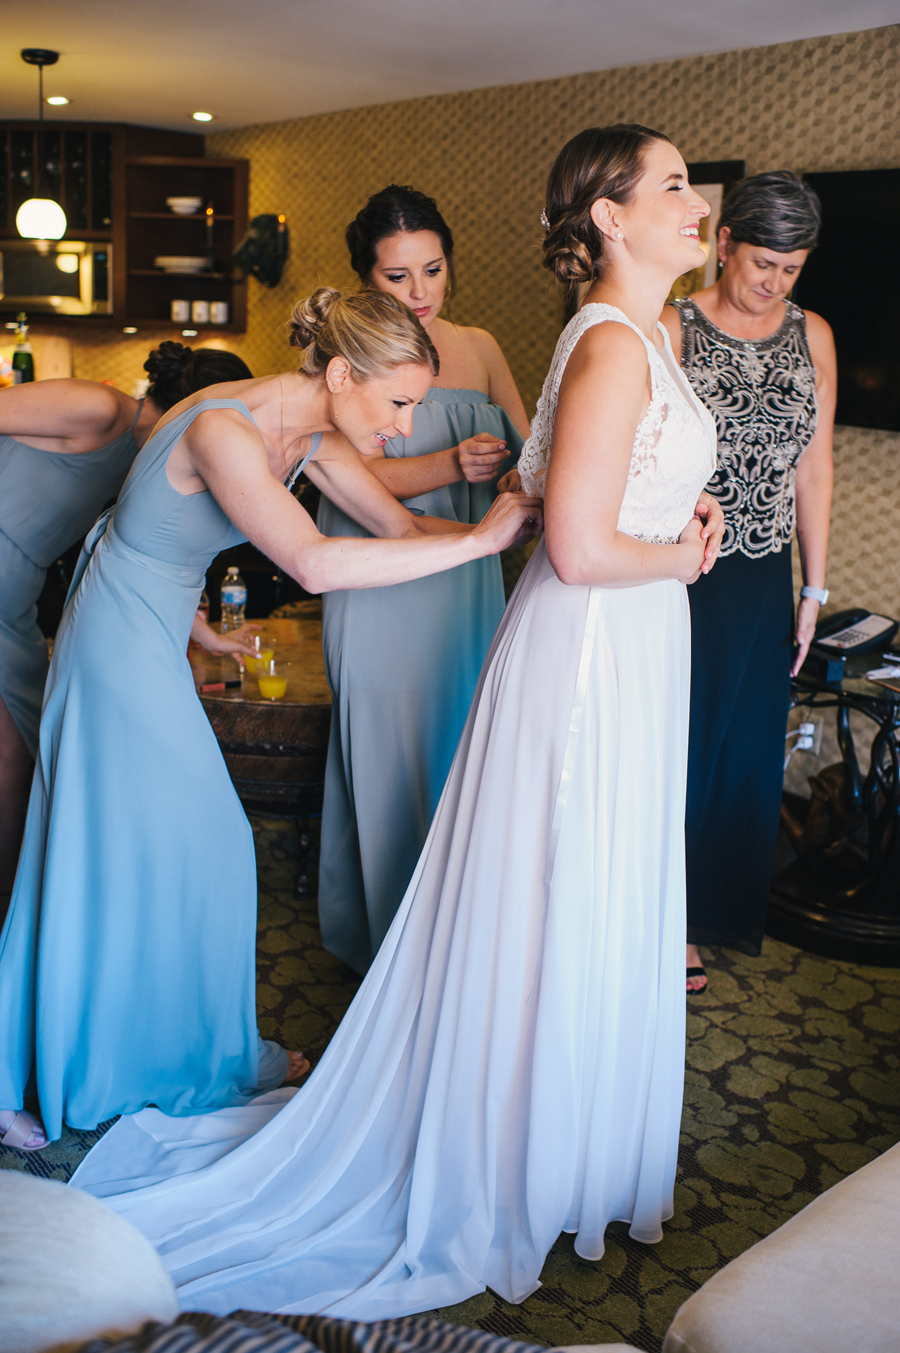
{"x": 127, "y": 962}
{"x": 48, "y": 500}
{"x": 402, "y": 663}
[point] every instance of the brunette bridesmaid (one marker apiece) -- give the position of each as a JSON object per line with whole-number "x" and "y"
{"x": 403, "y": 661}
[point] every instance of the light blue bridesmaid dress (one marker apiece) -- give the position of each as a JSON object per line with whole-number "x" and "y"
{"x": 127, "y": 962}
{"x": 48, "y": 499}
{"x": 402, "y": 663}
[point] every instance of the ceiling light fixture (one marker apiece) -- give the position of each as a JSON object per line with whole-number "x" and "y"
{"x": 202, "y": 117}
{"x": 58, "y": 100}
{"x": 129, "y": 329}
{"x": 40, "y": 218}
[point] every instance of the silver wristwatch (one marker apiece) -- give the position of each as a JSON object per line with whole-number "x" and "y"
{"x": 819, "y": 594}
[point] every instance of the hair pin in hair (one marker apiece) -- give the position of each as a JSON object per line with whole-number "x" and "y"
{"x": 545, "y": 219}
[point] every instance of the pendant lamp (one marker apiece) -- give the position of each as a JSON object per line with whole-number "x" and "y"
{"x": 40, "y": 218}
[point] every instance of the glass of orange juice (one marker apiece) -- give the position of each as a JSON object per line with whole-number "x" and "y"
{"x": 272, "y": 678}
{"x": 265, "y": 652}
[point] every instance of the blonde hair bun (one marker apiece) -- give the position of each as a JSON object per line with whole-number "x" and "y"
{"x": 309, "y": 316}
{"x": 371, "y": 330}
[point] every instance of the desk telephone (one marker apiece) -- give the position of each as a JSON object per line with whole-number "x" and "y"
{"x": 843, "y": 634}
{"x": 855, "y": 631}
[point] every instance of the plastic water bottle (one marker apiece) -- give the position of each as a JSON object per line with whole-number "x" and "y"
{"x": 234, "y": 600}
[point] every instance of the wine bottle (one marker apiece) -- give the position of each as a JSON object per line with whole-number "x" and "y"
{"x": 22, "y": 360}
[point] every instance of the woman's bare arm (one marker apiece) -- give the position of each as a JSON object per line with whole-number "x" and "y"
{"x": 814, "y": 484}
{"x": 345, "y": 477}
{"x": 65, "y": 414}
{"x": 603, "y": 396}
{"x": 229, "y": 456}
{"x": 476, "y": 459}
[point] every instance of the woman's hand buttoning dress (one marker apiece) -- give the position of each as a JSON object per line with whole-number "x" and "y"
{"x": 512, "y": 1065}
{"x": 403, "y": 662}
{"x": 766, "y": 371}
{"x": 127, "y": 963}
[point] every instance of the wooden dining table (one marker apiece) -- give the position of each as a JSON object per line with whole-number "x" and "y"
{"x": 275, "y": 750}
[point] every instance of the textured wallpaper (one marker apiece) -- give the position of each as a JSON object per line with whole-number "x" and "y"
{"x": 824, "y": 104}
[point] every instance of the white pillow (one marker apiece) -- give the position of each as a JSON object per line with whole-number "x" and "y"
{"x": 71, "y": 1270}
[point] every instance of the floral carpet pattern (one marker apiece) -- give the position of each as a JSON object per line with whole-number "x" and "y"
{"x": 793, "y": 1081}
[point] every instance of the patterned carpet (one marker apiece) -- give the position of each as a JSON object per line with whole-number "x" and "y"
{"x": 793, "y": 1081}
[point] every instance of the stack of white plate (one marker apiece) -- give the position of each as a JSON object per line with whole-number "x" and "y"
{"x": 184, "y": 206}
{"x": 180, "y": 263}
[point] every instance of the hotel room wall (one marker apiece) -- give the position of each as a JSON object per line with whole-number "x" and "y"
{"x": 822, "y": 104}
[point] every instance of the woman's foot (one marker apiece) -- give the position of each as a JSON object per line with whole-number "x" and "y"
{"x": 21, "y": 1130}
{"x": 697, "y": 980}
{"x": 297, "y": 1067}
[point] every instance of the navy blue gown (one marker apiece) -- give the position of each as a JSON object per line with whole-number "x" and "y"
{"x": 762, "y": 395}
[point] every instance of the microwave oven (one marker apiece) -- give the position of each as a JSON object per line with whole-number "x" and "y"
{"x": 56, "y": 277}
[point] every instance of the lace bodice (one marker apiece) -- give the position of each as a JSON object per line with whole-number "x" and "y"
{"x": 674, "y": 448}
{"x": 762, "y": 395}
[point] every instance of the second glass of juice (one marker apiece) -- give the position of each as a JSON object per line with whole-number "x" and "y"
{"x": 272, "y": 678}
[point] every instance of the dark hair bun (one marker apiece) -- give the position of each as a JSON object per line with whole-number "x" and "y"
{"x": 566, "y": 255}
{"x": 309, "y": 317}
{"x": 600, "y": 162}
{"x": 177, "y": 371}
{"x": 168, "y": 362}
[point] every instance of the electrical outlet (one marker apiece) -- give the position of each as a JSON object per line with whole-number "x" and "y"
{"x": 817, "y": 727}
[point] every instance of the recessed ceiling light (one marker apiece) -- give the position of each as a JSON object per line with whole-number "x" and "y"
{"x": 189, "y": 333}
{"x": 202, "y": 117}
{"x": 58, "y": 100}
{"x": 129, "y": 329}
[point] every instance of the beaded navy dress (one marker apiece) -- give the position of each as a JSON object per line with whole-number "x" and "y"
{"x": 762, "y": 395}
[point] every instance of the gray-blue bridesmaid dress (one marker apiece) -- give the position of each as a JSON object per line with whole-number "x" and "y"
{"x": 402, "y": 663}
{"x": 127, "y": 972}
{"x": 48, "y": 500}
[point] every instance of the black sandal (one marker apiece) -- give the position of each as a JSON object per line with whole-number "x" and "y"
{"x": 697, "y": 972}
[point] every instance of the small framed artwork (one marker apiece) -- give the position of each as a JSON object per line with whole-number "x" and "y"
{"x": 711, "y": 179}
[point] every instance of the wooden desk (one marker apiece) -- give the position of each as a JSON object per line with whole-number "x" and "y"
{"x": 275, "y": 750}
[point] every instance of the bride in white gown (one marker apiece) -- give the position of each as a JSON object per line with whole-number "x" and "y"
{"x": 512, "y": 1066}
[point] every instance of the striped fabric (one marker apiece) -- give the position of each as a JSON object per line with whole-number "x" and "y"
{"x": 252, "y": 1332}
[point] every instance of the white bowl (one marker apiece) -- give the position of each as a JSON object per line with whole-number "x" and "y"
{"x": 180, "y": 263}
{"x": 184, "y": 206}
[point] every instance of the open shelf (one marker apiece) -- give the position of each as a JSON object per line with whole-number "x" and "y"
{"x": 174, "y": 216}
{"x": 153, "y": 230}
{"x": 160, "y": 272}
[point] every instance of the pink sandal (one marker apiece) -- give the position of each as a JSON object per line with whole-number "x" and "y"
{"x": 20, "y": 1130}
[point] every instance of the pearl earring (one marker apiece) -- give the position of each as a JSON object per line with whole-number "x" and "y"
{"x": 618, "y": 234}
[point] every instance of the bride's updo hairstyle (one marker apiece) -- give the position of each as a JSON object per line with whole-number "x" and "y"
{"x": 598, "y": 162}
{"x": 396, "y": 210}
{"x": 371, "y": 330}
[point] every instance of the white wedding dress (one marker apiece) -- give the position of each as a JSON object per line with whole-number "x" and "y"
{"x": 512, "y": 1065}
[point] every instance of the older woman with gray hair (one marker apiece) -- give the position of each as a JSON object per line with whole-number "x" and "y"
{"x": 766, "y": 371}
